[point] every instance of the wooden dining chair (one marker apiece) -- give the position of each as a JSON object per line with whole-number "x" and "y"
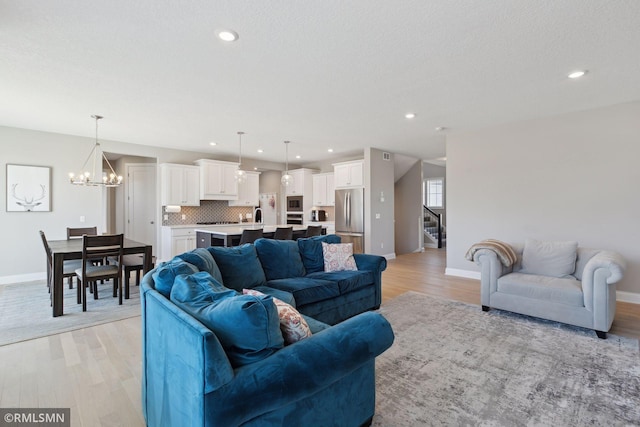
{"x": 103, "y": 247}
{"x": 313, "y": 230}
{"x": 250, "y": 235}
{"x": 131, "y": 263}
{"x": 77, "y": 233}
{"x": 68, "y": 269}
{"x": 283, "y": 233}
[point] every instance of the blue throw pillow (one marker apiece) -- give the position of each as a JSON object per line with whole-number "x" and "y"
{"x": 247, "y": 326}
{"x": 202, "y": 259}
{"x": 311, "y": 251}
{"x": 166, "y": 273}
{"x": 240, "y": 266}
{"x": 280, "y": 259}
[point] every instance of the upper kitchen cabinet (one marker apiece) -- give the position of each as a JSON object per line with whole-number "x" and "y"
{"x": 248, "y": 191}
{"x": 323, "y": 189}
{"x": 349, "y": 174}
{"x": 217, "y": 180}
{"x": 297, "y": 188}
{"x": 180, "y": 185}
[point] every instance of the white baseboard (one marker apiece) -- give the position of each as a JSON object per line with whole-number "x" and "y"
{"x": 392, "y": 255}
{"x": 468, "y": 274}
{"x": 623, "y": 296}
{"x": 431, "y": 245}
{"x": 19, "y": 278}
{"x": 631, "y": 297}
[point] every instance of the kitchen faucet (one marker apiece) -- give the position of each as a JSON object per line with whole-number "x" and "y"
{"x": 255, "y": 212}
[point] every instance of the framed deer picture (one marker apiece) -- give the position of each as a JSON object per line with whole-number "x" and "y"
{"x": 28, "y": 188}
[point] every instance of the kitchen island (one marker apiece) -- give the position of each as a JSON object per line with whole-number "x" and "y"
{"x": 230, "y": 235}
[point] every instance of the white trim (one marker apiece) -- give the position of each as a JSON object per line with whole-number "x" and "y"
{"x": 392, "y": 255}
{"x": 20, "y": 278}
{"x": 622, "y": 296}
{"x": 462, "y": 273}
{"x": 430, "y": 245}
{"x": 630, "y": 297}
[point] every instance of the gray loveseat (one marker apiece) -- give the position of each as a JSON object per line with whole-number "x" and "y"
{"x": 545, "y": 282}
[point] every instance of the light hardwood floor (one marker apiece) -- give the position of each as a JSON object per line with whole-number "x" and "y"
{"x": 97, "y": 371}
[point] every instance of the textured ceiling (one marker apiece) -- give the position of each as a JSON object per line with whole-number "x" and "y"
{"x": 322, "y": 74}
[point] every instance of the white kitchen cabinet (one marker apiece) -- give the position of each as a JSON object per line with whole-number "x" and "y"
{"x": 323, "y": 189}
{"x": 217, "y": 181}
{"x": 176, "y": 241}
{"x": 298, "y": 187}
{"x": 180, "y": 185}
{"x": 248, "y": 191}
{"x": 349, "y": 174}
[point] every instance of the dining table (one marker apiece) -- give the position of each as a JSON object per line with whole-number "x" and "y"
{"x": 69, "y": 249}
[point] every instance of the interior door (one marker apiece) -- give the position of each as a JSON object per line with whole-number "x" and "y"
{"x": 140, "y": 200}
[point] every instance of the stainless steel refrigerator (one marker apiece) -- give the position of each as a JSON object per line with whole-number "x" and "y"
{"x": 349, "y": 216}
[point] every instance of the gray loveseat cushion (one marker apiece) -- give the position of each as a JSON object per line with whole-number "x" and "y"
{"x": 553, "y": 289}
{"x": 555, "y": 259}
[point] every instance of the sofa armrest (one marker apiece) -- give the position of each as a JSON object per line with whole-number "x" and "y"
{"x": 370, "y": 262}
{"x": 301, "y": 369}
{"x": 611, "y": 261}
{"x": 490, "y": 270}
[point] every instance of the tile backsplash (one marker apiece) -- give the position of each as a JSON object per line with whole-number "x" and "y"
{"x": 209, "y": 210}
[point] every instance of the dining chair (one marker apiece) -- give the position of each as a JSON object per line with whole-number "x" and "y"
{"x": 313, "y": 230}
{"x": 283, "y": 233}
{"x": 131, "y": 263}
{"x": 104, "y": 246}
{"x": 77, "y": 233}
{"x": 250, "y": 235}
{"x": 68, "y": 268}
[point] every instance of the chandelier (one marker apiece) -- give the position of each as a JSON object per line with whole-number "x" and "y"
{"x": 240, "y": 175}
{"x": 99, "y": 178}
{"x": 287, "y": 179}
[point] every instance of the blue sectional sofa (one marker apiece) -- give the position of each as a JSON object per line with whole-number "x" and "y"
{"x": 191, "y": 375}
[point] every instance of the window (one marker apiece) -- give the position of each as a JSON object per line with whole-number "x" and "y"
{"x": 434, "y": 192}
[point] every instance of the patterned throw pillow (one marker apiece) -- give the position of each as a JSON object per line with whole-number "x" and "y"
{"x": 292, "y": 325}
{"x": 338, "y": 257}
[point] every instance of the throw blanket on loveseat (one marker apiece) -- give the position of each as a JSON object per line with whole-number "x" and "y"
{"x": 505, "y": 253}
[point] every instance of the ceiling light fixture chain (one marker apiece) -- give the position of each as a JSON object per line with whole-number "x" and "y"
{"x": 287, "y": 178}
{"x": 240, "y": 175}
{"x": 91, "y": 178}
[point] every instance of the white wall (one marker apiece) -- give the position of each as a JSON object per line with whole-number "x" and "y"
{"x": 569, "y": 177}
{"x": 408, "y": 211}
{"x": 379, "y": 234}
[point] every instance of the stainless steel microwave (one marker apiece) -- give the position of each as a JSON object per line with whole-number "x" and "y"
{"x": 294, "y": 204}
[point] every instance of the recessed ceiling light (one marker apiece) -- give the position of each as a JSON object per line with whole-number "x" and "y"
{"x": 440, "y": 128}
{"x": 260, "y": 150}
{"x": 330, "y": 150}
{"x": 255, "y": 169}
{"x": 410, "y": 115}
{"x": 577, "y": 74}
{"x": 298, "y": 156}
{"x": 228, "y": 35}
{"x": 213, "y": 143}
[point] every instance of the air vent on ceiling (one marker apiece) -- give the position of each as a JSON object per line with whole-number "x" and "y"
{"x": 386, "y": 156}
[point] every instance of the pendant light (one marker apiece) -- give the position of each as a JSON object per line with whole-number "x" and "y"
{"x": 96, "y": 177}
{"x": 240, "y": 175}
{"x": 287, "y": 179}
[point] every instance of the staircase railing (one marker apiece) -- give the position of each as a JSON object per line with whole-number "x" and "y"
{"x": 439, "y": 217}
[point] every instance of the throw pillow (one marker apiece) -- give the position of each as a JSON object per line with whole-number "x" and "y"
{"x": 554, "y": 259}
{"x": 311, "y": 251}
{"x": 280, "y": 259}
{"x": 338, "y": 257}
{"x": 247, "y": 326}
{"x": 202, "y": 259}
{"x": 165, "y": 274}
{"x": 239, "y": 266}
{"x": 293, "y": 326}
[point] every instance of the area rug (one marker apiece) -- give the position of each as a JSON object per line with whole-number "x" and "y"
{"x": 25, "y": 312}
{"x": 452, "y": 364}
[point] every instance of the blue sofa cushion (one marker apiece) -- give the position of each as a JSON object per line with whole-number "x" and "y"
{"x": 165, "y": 274}
{"x": 280, "y": 259}
{"x": 240, "y": 266}
{"x": 347, "y": 280}
{"x": 247, "y": 326}
{"x": 277, "y": 293}
{"x": 306, "y": 290}
{"x": 311, "y": 251}
{"x": 202, "y": 259}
